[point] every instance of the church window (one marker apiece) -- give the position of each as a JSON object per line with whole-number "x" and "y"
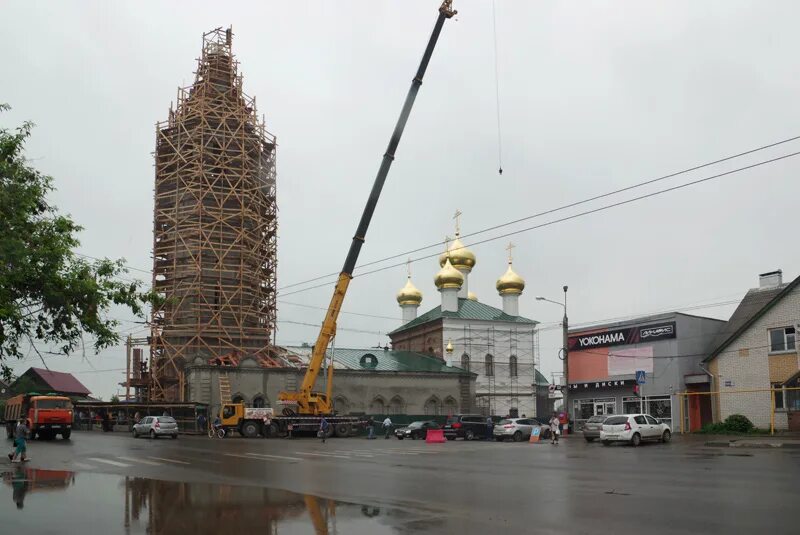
{"x": 465, "y": 362}
{"x": 512, "y": 366}
{"x": 489, "y": 366}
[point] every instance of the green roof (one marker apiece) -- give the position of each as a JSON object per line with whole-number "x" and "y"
{"x": 385, "y": 360}
{"x": 467, "y": 310}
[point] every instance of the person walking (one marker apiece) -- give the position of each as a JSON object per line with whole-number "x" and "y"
{"x": 489, "y": 428}
{"x": 370, "y": 428}
{"x": 201, "y": 422}
{"x": 554, "y": 428}
{"x": 323, "y": 429}
{"x": 387, "y": 426}
{"x": 20, "y": 436}
{"x": 267, "y": 425}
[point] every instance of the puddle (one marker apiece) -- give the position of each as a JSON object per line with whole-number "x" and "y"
{"x": 58, "y": 502}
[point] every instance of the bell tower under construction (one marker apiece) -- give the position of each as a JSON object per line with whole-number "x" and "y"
{"x": 214, "y": 225}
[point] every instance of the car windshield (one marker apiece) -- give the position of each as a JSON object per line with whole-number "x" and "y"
{"x": 597, "y": 419}
{"x": 504, "y": 422}
{"x": 166, "y": 419}
{"x": 415, "y": 424}
{"x": 616, "y": 420}
{"x": 53, "y": 404}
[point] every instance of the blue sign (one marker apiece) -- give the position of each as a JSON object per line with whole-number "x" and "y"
{"x": 640, "y": 375}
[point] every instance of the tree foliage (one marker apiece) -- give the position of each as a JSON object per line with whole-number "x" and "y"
{"x": 49, "y": 296}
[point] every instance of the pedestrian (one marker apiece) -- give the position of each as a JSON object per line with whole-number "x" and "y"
{"x": 20, "y": 436}
{"x": 289, "y": 429}
{"x": 323, "y": 429}
{"x": 554, "y": 428}
{"x": 267, "y": 425}
{"x": 201, "y": 422}
{"x": 387, "y": 427}
{"x": 106, "y": 422}
{"x": 370, "y": 428}
{"x": 489, "y": 428}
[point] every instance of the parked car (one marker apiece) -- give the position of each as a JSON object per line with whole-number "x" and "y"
{"x": 634, "y": 428}
{"x": 416, "y": 430}
{"x": 592, "y": 427}
{"x": 519, "y": 429}
{"x": 466, "y": 426}
{"x": 156, "y": 426}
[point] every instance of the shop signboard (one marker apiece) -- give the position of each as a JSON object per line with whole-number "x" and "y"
{"x": 621, "y": 337}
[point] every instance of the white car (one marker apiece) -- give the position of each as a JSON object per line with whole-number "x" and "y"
{"x": 633, "y": 428}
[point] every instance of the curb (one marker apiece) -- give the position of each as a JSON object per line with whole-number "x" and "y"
{"x": 753, "y": 445}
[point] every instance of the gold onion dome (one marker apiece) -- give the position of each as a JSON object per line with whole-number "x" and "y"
{"x": 510, "y": 283}
{"x": 409, "y": 295}
{"x": 471, "y": 296}
{"x": 460, "y": 256}
{"x": 448, "y": 276}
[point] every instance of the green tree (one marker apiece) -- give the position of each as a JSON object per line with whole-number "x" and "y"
{"x": 23, "y": 385}
{"x": 48, "y": 294}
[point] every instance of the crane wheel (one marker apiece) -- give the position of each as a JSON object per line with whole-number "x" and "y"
{"x": 342, "y": 430}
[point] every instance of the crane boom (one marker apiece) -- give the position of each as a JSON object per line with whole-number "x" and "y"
{"x": 310, "y": 402}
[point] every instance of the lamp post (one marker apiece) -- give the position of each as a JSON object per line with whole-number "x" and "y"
{"x": 565, "y": 344}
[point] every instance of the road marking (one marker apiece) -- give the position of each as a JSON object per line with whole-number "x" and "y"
{"x": 281, "y": 457}
{"x": 142, "y": 461}
{"x": 168, "y": 460}
{"x": 323, "y": 454}
{"x": 106, "y": 461}
{"x": 252, "y": 457}
{"x": 83, "y": 466}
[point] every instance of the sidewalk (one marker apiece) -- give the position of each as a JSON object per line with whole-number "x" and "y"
{"x": 779, "y": 440}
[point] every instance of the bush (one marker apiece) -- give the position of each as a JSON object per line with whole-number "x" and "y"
{"x": 737, "y": 423}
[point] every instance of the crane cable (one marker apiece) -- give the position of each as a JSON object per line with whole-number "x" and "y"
{"x": 497, "y": 93}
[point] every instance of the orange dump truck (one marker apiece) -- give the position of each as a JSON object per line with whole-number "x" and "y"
{"x": 46, "y": 416}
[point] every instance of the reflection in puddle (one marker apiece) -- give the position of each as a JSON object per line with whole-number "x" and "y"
{"x": 101, "y": 503}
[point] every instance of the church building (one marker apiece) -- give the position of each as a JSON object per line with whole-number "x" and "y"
{"x": 496, "y": 344}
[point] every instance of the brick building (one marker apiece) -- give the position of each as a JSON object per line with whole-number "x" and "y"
{"x": 757, "y": 350}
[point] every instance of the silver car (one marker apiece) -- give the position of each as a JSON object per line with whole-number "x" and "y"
{"x": 156, "y": 426}
{"x": 592, "y": 427}
{"x": 518, "y": 429}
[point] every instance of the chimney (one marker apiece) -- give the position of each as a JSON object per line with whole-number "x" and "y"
{"x": 771, "y": 279}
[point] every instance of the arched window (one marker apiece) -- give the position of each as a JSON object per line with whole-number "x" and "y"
{"x": 489, "y": 366}
{"x": 238, "y": 398}
{"x": 450, "y": 406}
{"x": 512, "y": 366}
{"x": 378, "y": 406}
{"x": 396, "y": 405}
{"x": 465, "y": 362}
{"x": 341, "y": 405}
{"x": 433, "y": 407}
{"x": 259, "y": 402}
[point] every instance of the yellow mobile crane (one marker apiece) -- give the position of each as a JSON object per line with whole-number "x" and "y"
{"x": 310, "y": 403}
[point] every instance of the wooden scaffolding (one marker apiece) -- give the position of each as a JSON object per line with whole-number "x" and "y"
{"x": 215, "y": 224}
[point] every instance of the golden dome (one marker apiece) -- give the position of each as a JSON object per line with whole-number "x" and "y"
{"x": 409, "y": 295}
{"x": 471, "y": 296}
{"x": 460, "y": 256}
{"x": 448, "y": 276}
{"x": 510, "y": 283}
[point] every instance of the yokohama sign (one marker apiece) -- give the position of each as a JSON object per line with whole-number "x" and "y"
{"x": 622, "y": 337}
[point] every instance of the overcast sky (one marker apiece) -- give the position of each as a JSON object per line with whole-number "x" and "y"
{"x": 593, "y": 97}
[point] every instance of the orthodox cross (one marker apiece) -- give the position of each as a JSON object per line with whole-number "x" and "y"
{"x": 457, "y": 216}
{"x": 509, "y": 249}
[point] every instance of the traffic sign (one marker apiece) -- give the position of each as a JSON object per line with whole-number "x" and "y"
{"x": 640, "y": 377}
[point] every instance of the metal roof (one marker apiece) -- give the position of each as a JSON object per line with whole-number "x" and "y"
{"x": 59, "y": 381}
{"x": 383, "y": 360}
{"x": 467, "y": 310}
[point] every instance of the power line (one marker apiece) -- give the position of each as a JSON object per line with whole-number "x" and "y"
{"x": 316, "y": 326}
{"x": 574, "y": 216}
{"x": 558, "y": 209}
{"x": 342, "y": 312}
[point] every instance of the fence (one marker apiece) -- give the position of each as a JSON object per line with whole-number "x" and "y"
{"x": 776, "y": 408}
{"x": 121, "y": 416}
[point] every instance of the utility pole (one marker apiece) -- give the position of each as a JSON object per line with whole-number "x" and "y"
{"x": 128, "y": 345}
{"x": 565, "y": 346}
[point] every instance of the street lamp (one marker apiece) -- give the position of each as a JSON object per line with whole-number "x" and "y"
{"x": 565, "y": 344}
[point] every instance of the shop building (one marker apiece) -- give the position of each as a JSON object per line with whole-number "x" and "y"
{"x": 667, "y": 348}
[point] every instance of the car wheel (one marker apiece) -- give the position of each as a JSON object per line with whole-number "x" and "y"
{"x": 606, "y": 443}
{"x": 135, "y": 434}
{"x": 174, "y": 437}
{"x": 469, "y": 435}
{"x": 414, "y": 437}
{"x": 636, "y": 439}
{"x": 666, "y": 436}
{"x": 250, "y": 430}
{"x": 66, "y": 434}
{"x": 153, "y": 434}
{"x": 399, "y": 437}
{"x": 450, "y": 437}
{"x": 518, "y": 436}
{"x": 589, "y": 439}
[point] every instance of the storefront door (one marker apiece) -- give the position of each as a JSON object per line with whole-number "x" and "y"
{"x": 604, "y": 408}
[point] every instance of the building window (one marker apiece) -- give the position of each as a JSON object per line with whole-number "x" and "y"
{"x": 512, "y": 366}
{"x": 489, "y": 366}
{"x": 396, "y": 405}
{"x": 258, "y": 402}
{"x": 782, "y": 339}
{"x": 779, "y": 404}
{"x": 432, "y": 407}
{"x": 465, "y": 362}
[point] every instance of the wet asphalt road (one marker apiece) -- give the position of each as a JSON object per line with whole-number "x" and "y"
{"x": 391, "y": 486}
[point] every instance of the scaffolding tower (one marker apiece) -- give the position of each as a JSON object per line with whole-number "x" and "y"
{"x": 215, "y": 224}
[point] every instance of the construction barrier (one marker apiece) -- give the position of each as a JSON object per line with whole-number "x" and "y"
{"x": 435, "y": 436}
{"x": 535, "y": 435}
